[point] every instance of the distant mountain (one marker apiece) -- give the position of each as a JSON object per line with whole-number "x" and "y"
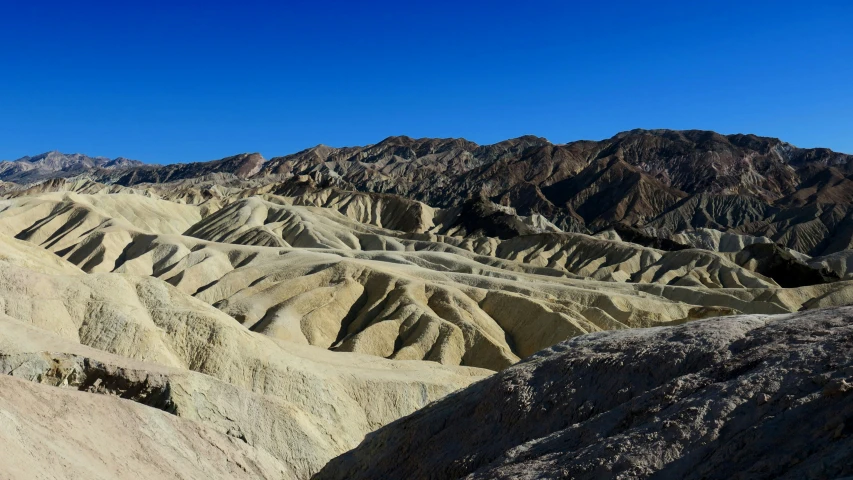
{"x": 661, "y": 180}
{"x": 676, "y": 162}
{"x": 242, "y": 166}
{"x": 55, "y": 164}
{"x": 666, "y": 179}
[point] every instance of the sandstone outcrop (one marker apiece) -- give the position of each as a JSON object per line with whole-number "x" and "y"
{"x": 141, "y": 339}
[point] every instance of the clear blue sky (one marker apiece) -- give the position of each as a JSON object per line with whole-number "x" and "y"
{"x": 187, "y": 81}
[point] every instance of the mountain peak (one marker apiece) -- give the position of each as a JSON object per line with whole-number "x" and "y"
{"x": 246, "y": 164}
{"x": 55, "y": 164}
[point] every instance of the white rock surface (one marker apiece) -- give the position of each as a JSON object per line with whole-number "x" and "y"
{"x": 50, "y": 433}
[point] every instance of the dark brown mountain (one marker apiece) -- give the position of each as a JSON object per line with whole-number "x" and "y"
{"x": 775, "y": 262}
{"x": 670, "y": 180}
{"x": 690, "y": 162}
{"x": 242, "y": 166}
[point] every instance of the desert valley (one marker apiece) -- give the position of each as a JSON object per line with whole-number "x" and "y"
{"x": 666, "y": 304}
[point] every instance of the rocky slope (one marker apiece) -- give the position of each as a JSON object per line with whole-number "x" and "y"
{"x": 634, "y": 177}
{"x": 141, "y": 339}
{"x": 241, "y": 166}
{"x": 736, "y": 397}
{"x": 315, "y": 276}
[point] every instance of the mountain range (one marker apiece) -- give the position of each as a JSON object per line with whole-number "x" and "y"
{"x": 55, "y": 165}
{"x": 662, "y": 181}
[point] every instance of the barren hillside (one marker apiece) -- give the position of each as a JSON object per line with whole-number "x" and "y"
{"x": 285, "y": 312}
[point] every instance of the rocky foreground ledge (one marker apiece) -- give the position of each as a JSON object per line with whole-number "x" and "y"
{"x": 734, "y": 397}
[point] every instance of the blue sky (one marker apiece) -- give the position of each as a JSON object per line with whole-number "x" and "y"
{"x": 188, "y": 81}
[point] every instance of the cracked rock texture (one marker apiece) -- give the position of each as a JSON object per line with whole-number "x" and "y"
{"x": 734, "y": 397}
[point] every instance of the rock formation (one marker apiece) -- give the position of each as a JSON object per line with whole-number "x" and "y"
{"x": 735, "y": 397}
{"x": 141, "y": 339}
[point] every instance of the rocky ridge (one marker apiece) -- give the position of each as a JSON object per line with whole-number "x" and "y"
{"x": 664, "y": 180}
